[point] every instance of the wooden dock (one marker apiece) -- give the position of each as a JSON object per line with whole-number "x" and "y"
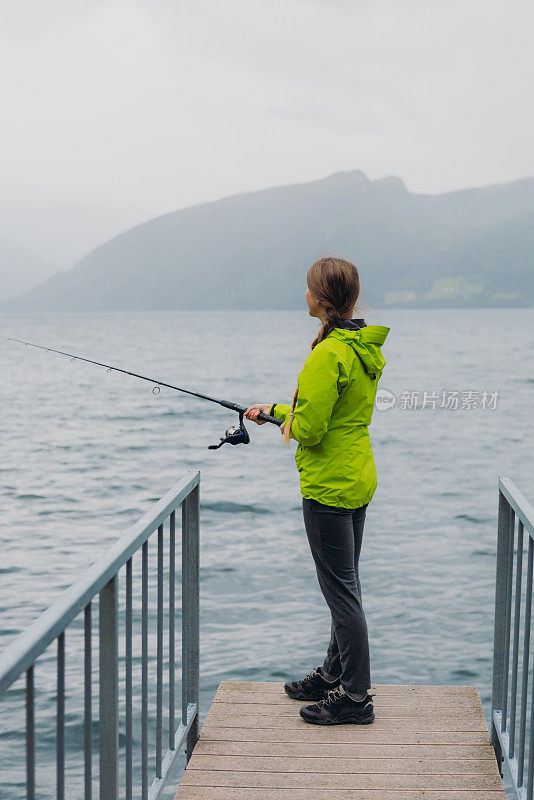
{"x": 427, "y": 742}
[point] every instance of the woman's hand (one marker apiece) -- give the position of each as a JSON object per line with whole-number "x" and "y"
{"x": 252, "y": 412}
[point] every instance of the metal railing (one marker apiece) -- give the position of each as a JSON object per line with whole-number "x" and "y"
{"x": 512, "y": 723}
{"x": 101, "y": 583}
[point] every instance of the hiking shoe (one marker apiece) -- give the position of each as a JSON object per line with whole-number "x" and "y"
{"x": 312, "y": 687}
{"x": 338, "y": 708}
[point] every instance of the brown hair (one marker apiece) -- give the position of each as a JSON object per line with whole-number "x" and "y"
{"x": 335, "y": 284}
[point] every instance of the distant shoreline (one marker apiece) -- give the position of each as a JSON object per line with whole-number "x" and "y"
{"x": 17, "y": 312}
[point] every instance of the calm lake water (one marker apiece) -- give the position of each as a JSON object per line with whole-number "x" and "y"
{"x": 85, "y": 453}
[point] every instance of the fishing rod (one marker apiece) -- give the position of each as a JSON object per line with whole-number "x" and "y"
{"x": 235, "y": 434}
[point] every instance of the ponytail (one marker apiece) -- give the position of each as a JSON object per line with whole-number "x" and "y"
{"x": 287, "y": 429}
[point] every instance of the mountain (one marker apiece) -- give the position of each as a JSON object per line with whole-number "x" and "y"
{"x": 470, "y": 247}
{"x": 20, "y": 269}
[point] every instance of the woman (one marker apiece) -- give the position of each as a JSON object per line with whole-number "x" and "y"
{"x": 329, "y": 418}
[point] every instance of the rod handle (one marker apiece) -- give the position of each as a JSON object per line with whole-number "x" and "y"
{"x": 268, "y": 418}
{"x": 242, "y": 409}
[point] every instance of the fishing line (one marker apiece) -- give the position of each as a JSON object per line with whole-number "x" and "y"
{"x": 235, "y": 434}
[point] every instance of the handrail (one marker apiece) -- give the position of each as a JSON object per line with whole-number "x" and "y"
{"x": 513, "y": 606}
{"x": 36, "y": 638}
{"x": 101, "y": 579}
{"x": 518, "y": 502}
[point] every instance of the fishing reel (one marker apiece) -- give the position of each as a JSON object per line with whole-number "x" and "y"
{"x": 235, "y": 434}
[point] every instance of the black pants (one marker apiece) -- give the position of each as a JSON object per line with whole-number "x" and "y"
{"x": 335, "y": 537}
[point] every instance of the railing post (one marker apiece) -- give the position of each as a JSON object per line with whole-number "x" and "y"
{"x": 109, "y": 679}
{"x": 503, "y": 534}
{"x": 190, "y": 614}
{"x": 30, "y": 735}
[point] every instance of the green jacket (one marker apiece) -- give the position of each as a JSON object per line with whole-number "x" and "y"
{"x": 337, "y": 388}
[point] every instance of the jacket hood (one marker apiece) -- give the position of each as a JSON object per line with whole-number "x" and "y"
{"x": 366, "y": 341}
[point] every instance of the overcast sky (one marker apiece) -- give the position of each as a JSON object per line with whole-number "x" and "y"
{"x": 114, "y": 112}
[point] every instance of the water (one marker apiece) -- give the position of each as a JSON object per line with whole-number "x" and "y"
{"x": 85, "y": 453}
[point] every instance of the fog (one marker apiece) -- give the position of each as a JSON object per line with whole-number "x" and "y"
{"x": 114, "y": 112}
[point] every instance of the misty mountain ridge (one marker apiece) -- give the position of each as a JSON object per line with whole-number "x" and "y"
{"x": 471, "y": 247}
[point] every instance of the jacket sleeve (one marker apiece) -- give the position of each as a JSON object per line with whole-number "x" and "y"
{"x": 318, "y": 393}
{"x": 281, "y": 410}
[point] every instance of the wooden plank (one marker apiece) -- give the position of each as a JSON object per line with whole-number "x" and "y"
{"x": 426, "y": 743}
{"x": 396, "y": 690}
{"x": 370, "y": 734}
{"x": 251, "y": 793}
{"x": 343, "y": 780}
{"x": 208, "y": 746}
{"x": 287, "y": 706}
{"x": 458, "y": 722}
{"x": 271, "y": 700}
{"x": 329, "y": 765}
